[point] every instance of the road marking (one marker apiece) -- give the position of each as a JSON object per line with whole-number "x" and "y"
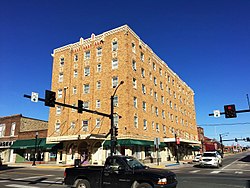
{"x": 20, "y": 186}
{"x": 215, "y": 172}
{"x": 33, "y": 177}
{"x": 4, "y": 181}
{"x": 52, "y": 182}
{"x": 229, "y": 164}
{"x": 195, "y": 171}
{"x": 238, "y": 172}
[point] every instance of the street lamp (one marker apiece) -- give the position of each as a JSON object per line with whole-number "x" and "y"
{"x": 34, "y": 158}
{"x": 113, "y": 137}
{"x": 222, "y": 147}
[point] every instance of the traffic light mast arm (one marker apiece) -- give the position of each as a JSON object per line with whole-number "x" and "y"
{"x": 238, "y": 111}
{"x": 74, "y": 107}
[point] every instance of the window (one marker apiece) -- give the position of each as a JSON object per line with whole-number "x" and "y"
{"x": 164, "y": 129}
{"x": 99, "y": 68}
{"x": 98, "y": 123}
{"x": 116, "y": 119}
{"x": 135, "y": 102}
{"x": 72, "y": 125}
{"x": 156, "y": 111}
{"x": 13, "y": 127}
{"x": 114, "y": 82}
{"x": 142, "y": 56}
{"x": 61, "y": 61}
{"x": 58, "y": 110}
{"x": 98, "y": 103}
{"x": 99, "y": 51}
{"x": 153, "y": 125}
{"x": 154, "y": 66}
{"x": 115, "y": 101}
{"x": 160, "y": 71}
{"x": 86, "y": 71}
{"x": 74, "y": 90}
{"x": 143, "y": 89}
{"x": 134, "y": 65}
{"x": 134, "y": 83}
{"x": 72, "y": 109}
{"x": 133, "y": 47}
{"x": 57, "y": 126}
{"x": 156, "y": 96}
{"x": 161, "y": 85}
{"x": 143, "y": 72}
{"x": 144, "y": 106}
{"x": 98, "y": 85}
{"x": 114, "y": 46}
{"x": 75, "y": 73}
{"x": 86, "y": 88}
{"x": 163, "y": 114}
{"x": 60, "y": 77}
{"x": 86, "y": 105}
{"x": 2, "y": 130}
{"x": 87, "y": 55}
{"x": 155, "y": 81}
{"x": 76, "y": 57}
{"x": 136, "y": 121}
{"x": 162, "y": 99}
{"x": 114, "y": 64}
{"x": 85, "y": 125}
{"x": 145, "y": 124}
{"x": 59, "y": 93}
{"x": 151, "y": 91}
{"x": 157, "y": 127}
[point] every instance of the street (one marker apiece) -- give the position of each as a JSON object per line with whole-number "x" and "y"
{"x": 235, "y": 173}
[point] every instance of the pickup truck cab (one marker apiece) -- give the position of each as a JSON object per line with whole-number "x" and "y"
{"x": 119, "y": 171}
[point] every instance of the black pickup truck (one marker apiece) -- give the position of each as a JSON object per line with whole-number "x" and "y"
{"x": 119, "y": 172}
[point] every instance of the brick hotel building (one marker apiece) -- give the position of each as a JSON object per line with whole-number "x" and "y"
{"x": 153, "y": 102}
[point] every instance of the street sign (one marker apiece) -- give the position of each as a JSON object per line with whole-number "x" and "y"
{"x": 157, "y": 142}
{"x": 34, "y": 97}
{"x": 216, "y": 113}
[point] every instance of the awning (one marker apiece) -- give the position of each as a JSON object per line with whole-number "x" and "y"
{"x": 31, "y": 143}
{"x": 132, "y": 142}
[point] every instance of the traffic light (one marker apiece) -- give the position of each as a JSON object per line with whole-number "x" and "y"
{"x": 50, "y": 98}
{"x": 80, "y": 106}
{"x": 248, "y": 139}
{"x": 116, "y": 131}
{"x": 236, "y": 140}
{"x": 230, "y": 111}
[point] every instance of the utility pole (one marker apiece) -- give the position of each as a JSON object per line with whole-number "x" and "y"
{"x": 176, "y": 148}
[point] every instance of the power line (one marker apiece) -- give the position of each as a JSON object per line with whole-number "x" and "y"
{"x": 221, "y": 124}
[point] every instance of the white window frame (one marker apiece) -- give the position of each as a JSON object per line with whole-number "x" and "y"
{"x": 114, "y": 46}
{"x": 85, "y": 125}
{"x": 135, "y": 102}
{"x": 86, "y": 88}
{"x": 60, "y": 77}
{"x": 59, "y": 93}
{"x": 12, "y": 130}
{"x": 86, "y": 71}
{"x": 99, "y": 67}
{"x": 115, "y": 63}
{"x": 114, "y": 81}
{"x": 98, "y": 103}
{"x": 87, "y": 54}
{"x": 99, "y": 51}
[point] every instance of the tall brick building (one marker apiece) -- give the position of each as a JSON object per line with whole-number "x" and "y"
{"x": 152, "y": 103}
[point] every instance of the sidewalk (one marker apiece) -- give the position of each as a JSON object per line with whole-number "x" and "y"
{"x": 165, "y": 165}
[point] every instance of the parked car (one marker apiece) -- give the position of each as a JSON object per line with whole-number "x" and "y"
{"x": 119, "y": 171}
{"x": 197, "y": 157}
{"x": 211, "y": 158}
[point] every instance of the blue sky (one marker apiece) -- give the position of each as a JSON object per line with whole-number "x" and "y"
{"x": 206, "y": 42}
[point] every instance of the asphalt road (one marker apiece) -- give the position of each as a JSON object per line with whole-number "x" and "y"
{"x": 235, "y": 173}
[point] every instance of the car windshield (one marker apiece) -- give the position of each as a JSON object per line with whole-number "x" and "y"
{"x": 134, "y": 163}
{"x": 209, "y": 155}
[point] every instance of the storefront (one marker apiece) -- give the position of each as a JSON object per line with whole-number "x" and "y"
{"x": 26, "y": 150}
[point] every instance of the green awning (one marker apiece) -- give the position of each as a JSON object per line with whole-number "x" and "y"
{"x": 29, "y": 144}
{"x": 132, "y": 142}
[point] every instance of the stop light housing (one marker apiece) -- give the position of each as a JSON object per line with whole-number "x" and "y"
{"x": 236, "y": 140}
{"x": 50, "y": 98}
{"x": 230, "y": 111}
{"x": 80, "y": 106}
{"x": 248, "y": 139}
